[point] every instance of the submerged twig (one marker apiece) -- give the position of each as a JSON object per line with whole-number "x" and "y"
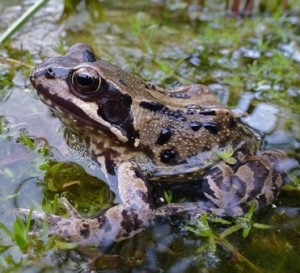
{"x": 14, "y": 61}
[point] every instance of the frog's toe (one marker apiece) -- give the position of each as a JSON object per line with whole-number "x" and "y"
{"x": 57, "y": 225}
{"x": 51, "y": 219}
{"x": 37, "y": 215}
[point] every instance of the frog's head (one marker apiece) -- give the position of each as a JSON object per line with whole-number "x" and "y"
{"x": 87, "y": 90}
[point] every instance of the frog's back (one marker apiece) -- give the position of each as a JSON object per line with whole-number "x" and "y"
{"x": 184, "y": 130}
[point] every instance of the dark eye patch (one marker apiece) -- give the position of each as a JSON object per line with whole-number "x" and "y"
{"x": 115, "y": 111}
{"x": 115, "y": 108}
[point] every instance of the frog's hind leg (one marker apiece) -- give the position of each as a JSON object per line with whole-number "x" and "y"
{"x": 229, "y": 190}
{"x": 257, "y": 180}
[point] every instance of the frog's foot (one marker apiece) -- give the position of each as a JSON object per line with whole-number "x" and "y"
{"x": 115, "y": 224}
{"x": 39, "y": 215}
{"x": 52, "y": 218}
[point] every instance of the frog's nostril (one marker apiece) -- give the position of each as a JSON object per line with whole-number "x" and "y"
{"x": 50, "y": 72}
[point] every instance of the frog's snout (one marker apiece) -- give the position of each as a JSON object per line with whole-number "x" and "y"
{"x": 33, "y": 76}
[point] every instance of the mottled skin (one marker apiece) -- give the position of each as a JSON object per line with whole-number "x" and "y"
{"x": 139, "y": 132}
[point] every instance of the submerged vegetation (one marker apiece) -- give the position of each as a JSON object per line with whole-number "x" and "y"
{"x": 249, "y": 62}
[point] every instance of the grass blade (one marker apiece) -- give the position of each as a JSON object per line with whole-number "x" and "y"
{"x": 16, "y": 25}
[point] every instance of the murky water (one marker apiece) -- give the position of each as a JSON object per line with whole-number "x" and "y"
{"x": 169, "y": 46}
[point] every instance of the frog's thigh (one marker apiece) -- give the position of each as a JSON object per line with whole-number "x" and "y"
{"x": 258, "y": 179}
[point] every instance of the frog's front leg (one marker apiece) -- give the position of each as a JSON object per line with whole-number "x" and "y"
{"x": 115, "y": 224}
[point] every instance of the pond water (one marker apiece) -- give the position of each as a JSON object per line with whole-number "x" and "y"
{"x": 252, "y": 64}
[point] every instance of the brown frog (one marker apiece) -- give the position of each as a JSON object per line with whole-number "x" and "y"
{"x": 140, "y": 133}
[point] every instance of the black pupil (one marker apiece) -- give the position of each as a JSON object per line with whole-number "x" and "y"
{"x": 85, "y": 80}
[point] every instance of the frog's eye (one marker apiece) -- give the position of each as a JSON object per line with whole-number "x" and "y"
{"x": 86, "y": 80}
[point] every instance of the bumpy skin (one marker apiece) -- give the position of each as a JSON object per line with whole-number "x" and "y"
{"x": 139, "y": 132}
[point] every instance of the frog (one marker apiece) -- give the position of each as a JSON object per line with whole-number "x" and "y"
{"x": 141, "y": 134}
